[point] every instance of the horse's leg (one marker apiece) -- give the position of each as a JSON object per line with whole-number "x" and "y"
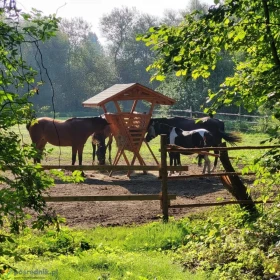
{"x": 206, "y": 165}
{"x": 178, "y": 161}
{"x": 200, "y": 157}
{"x": 74, "y": 154}
{"x": 171, "y": 160}
{"x": 40, "y": 147}
{"x": 110, "y": 152}
{"x": 215, "y": 161}
{"x": 80, "y": 154}
{"x": 109, "y": 145}
{"x": 93, "y": 152}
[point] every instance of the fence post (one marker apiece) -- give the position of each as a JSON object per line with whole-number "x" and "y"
{"x": 163, "y": 172}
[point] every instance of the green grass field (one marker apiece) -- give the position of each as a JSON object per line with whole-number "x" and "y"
{"x": 62, "y": 155}
{"x": 146, "y": 252}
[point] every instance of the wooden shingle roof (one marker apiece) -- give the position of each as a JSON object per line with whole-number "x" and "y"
{"x": 134, "y": 91}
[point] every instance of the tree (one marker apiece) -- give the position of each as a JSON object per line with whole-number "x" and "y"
{"x": 131, "y": 58}
{"x": 77, "y": 30}
{"x": 194, "y": 48}
{"x": 172, "y": 17}
{"x": 24, "y": 184}
{"x": 52, "y": 64}
{"x": 92, "y": 70}
{"x": 77, "y": 68}
{"x": 116, "y": 27}
{"x": 249, "y": 32}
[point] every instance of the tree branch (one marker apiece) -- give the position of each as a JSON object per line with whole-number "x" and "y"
{"x": 272, "y": 42}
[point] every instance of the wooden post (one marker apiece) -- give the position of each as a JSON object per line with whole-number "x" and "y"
{"x": 163, "y": 173}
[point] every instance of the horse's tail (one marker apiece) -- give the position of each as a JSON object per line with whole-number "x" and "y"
{"x": 232, "y": 137}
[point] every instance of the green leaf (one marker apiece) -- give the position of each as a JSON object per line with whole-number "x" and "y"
{"x": 227, "y": 101}
{"x": 160, "y": 77}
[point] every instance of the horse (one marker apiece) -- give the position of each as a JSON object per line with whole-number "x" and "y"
{"x": 197, "y": 138}
{"x": 98, "y": 139}
{"x": 215, "y": 126}
{"x": 73, "y": 132}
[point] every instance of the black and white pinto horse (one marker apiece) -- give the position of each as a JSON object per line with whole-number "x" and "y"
{"x": 197, "y": 138}
{"x": 215, "y": 126}
{"x": 99, "y": 146}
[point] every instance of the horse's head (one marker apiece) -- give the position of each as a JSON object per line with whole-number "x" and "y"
{"x": 162, "y": 128}
{"x": 101, "y": 151}
{"x": 151, "y": 134}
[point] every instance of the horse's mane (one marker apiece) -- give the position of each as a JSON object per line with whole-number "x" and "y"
{"x": 71, "y": 119}
{"x": 80, "y": 119}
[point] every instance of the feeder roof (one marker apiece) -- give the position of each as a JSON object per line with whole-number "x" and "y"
{"x": 134, "y": 91}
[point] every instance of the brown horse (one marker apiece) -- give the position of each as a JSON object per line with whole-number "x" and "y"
{"x": 98, "y": 140}
{"x": 73, "y": 132}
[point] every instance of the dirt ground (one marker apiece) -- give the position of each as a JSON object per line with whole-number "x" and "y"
{"x": 91, "y": 214}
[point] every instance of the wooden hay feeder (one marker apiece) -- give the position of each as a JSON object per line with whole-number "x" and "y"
{"x": 127, "y": 125}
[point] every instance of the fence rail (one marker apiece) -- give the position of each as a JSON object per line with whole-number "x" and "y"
{"x": 114, "y": 167}
{"x": 130, "y": 197}
{"x": 180, "y": 149}
{"x": 191, "y": 112}
{"x": 253, "y": 119}
{"x": 220, "y": 203}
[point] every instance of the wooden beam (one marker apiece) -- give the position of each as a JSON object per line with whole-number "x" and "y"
{"x": 164, "y": 175}
{"x": 104, "y": 108}
{"x": 208, "y": 175}
{"x": 112, "y": 167}
{"x": 107, "y": 198}
{"x": 102, "y": 167}
{"x": 178, "y": 168}
{"x": 218, "y": 203}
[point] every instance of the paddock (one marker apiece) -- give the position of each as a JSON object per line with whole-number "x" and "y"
{"x": 98, "y": 201}
{"x": 112, "y": 213}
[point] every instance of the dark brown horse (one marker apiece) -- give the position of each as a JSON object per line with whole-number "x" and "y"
{"x": 98, "y": 140}
{"x": 215, "y": 126}
{"x": 73, "y": 132}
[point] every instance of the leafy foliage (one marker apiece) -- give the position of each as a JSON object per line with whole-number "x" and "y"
{"x": 194, "y": 47}
{"x": 222, "y": 243}
{"x": 248, "y": 31}
{"x": 22, "y": 184}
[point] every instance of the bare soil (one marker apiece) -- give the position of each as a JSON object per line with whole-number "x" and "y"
{"x": 91, "y": 214}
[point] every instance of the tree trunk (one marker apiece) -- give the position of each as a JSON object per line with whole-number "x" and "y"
{"x": 234, "y": 184}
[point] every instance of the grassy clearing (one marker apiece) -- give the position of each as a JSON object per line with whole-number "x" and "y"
{"x": 62, "y": 155}
{"x": 221, "y": 243}
{"x": 139, "y": 252}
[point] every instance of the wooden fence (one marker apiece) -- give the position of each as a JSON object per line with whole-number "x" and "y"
{"x": 164, "y": 197}
{"x": 250, "y": 119}
{"x": 223, "y": 175}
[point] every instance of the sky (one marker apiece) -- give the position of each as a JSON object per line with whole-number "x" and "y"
{"x": 93, "y": 10}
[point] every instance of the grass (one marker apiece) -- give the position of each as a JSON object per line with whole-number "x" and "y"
{"x": 62, "y": 155}
{"x": 136, "y": 252}
{"x": 219, "y": 243}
